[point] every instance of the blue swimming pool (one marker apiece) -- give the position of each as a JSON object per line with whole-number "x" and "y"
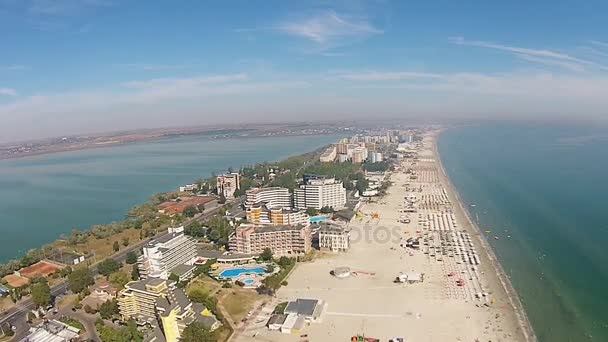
{"x": 248, "y": 281}
{"x": 235, "y": 272}
{"x": 316, "y": 219}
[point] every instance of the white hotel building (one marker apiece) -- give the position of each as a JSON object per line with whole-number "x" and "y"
{"x": 162, "y": 255}
{"x": 275, "y": 197}
{"x": 319, "y": 193}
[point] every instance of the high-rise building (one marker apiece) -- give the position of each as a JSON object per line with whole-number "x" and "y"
{"x": 273, "y": 197}
{"x": 282, "y": 240}
{"x": 228, "y": 184}
{"x": 319, "y": 193}
{"x": 160, "y": 256}
{"x": 138, "y": 299}
{"x": 264, "y": 214}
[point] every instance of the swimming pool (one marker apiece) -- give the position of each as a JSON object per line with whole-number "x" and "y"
{"x": 235, "y": 272}
{"x": 248, "y": 281}
{"x": 316, "y": 219}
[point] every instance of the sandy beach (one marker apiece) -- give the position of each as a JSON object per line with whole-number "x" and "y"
{"x": 452, "y": 250}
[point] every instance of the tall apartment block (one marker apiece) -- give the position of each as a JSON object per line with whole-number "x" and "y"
{"x": 162, "y": 255}
{"x": 320, "y": 192}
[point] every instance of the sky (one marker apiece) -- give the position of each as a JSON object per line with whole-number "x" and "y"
{"x": 84, "y": 66}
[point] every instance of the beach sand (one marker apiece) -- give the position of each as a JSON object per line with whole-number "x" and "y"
{"x": 371, "y": 303}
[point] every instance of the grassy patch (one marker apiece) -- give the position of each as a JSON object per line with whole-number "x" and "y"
{"x": 67, "y": 300}
{"x": 204, "y": 284}
{"x": 238, "y": 302}
{"x": 223, "y": 333}
{"x": 72, "y": 322}
{"x": 6, "y": 303}
{"x": 280, "y": 308}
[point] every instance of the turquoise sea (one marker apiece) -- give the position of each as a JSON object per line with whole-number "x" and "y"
{"x": 42, "y": 197}
{"x": 545, "y": 186}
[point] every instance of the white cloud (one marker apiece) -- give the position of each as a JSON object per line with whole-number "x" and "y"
{"x": 598, "y": 43}
{"x": 552, "y": 62}
{"x": 8, "y": 92}
{"x": 134, "y": 104}
{"x": 13, "y": 67}
{"x": 154, "y": 67}
{"x": 372, "y": 76}
{"x": 543, "y": 56}
{"x": 539, "y": 87}
{"x": 63, "y": 7}
{"x": 328, "y": 28}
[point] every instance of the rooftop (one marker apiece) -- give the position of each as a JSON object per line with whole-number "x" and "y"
{"x": 305, "y": 307}
{"x": 211, "y": 254}
{"x": 180, "y": 270}
{"x": 258, "y": 190}
{"x": 142, "y": 285}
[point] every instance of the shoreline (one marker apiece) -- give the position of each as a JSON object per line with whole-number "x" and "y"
{"x": 111, "y": 144}
{"x": 507, "y": 287}
{"x": 371, "y": 302}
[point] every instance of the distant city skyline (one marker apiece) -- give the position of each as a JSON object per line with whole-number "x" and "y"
{"x": 86, "y": 66}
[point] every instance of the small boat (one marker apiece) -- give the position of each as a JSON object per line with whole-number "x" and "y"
{"x": 473, "y": 205}
{"x": 496, "y": 238}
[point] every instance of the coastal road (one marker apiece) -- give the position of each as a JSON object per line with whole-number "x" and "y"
{"x": 18, "y": 312}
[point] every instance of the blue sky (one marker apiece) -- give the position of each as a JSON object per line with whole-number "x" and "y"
{"x": 80, "y": 66}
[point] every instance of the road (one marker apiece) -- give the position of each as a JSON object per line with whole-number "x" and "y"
{"x": 18, "y": 312}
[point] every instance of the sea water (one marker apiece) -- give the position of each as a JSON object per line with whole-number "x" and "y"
{"x": 42, "y": 197}
{"x": 541, "y": 190}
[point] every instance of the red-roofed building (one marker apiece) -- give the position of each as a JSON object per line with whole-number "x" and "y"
{"x": 177, "y": 207}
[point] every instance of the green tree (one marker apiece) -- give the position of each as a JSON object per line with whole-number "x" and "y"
{"x": 190, "y": 211}
{"x": 108, "y": 309}
{"x": 222, "y": 199}
{"x": 119, "y": 279}
{"x": 108, "y": 267}
{"x": 197, "y": 332}
{"x": 135, "y": 272}
{"x": 131, "y": 258}
{"x": 195, "y": 229}
{"x": 174, "y": 277}
{"x": 79, "y": 280}
{"x": 65, "y": 271}
{"x": 198, "y": 296}
{"x": 41, "y": 294}
{"x": 116, "y": 246}
{"x": 285, "y": 261}
{"x": 327, "y": 210}
{"x": 266, "y": 254}
{"x": 204, "y": 268}
{"x": 312, "y": 211}
{"x": 125, "y": 241}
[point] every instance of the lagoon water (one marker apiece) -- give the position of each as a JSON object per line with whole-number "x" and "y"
{"x": 546, "y": 187}
{"x": 42, "y": 197}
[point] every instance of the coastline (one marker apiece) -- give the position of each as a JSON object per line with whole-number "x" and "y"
{"x": 370, "y": 301}
{"x": 515, "y": 302}
{"x": 118, "y": 143}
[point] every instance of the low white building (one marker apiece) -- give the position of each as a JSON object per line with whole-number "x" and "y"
{"x": 188, "y": 187}
{"x": 52, "y": 331}
{"x": 329, "y": 155}
{"x": 334, "y": 238}
{"x": 227, "y": 184}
